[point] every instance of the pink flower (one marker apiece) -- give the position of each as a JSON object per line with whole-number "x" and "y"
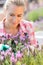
{"x": 19, "y": 55}
{"x": 12, "y": 55}
{"x": 25, "y": 44}
{"x": 13, "y": 59}
{"x": 2, "y": 58}
{"x": 2, "y": 53}
{"x": 7, "y": 53}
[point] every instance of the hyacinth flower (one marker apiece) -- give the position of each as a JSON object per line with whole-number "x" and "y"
{"x": 2, "y": 56}
{"x": 8, "y": 36}
{"x": 13, "y": 59}
{"x": 2, "y": 53}
{"x": 8, "y": 52}
{"x": 19, "y": 55}
{"x": 24, "y": 38}
{"x": 6, "y": 57}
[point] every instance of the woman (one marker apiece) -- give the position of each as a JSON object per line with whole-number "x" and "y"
{"x": 14, "y": 25}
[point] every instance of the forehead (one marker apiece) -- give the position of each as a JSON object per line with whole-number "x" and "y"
{"x": 15, "y": 9}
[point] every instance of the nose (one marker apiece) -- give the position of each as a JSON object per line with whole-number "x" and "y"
{"x": 14, "y": 19}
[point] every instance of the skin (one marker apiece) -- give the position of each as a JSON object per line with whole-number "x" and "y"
{"x": 14, "y": 14}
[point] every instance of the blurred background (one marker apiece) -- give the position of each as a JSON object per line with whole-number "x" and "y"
{"x": 34, "y": 14}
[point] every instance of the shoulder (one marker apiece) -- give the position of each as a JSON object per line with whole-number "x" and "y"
{"x": 27, "y": 23}
{"x": 2, "y": 24}
{"x": 1, "y": 28}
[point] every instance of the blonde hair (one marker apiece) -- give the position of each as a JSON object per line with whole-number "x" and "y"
{"x": 15, "y": 2}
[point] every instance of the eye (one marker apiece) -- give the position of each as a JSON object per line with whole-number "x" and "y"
{"x": 19, "y": 15}
{"x": 12, "y": 15}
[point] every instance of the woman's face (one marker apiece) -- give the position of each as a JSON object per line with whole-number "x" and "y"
{"x": 14, "y": 14}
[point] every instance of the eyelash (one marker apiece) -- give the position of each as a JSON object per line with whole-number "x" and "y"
{"x": 12, "y": 15}
{"x": 17, "y": 15}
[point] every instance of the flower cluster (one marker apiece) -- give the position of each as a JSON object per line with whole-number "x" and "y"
{"x": 16, "y": 50}
{"x": 27, "y": 56}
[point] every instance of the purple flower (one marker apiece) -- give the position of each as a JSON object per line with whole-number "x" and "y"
{"x": 3, "y": 39}
{"x": 22, "y": 38}
{"x": 2, "y": 53}
{"x": 8, "y": 36}
{"x": 25, "y": 44}
{"x": 13, "y": 59}
{"x": 12, "y": 55}
{"x": 19, "y": 55}
{"x": 7, "y": 52}
{"x": 2, "y": 58}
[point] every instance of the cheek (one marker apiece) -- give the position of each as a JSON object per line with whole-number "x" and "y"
{"x": 18, "y": 19}
{"x": 9, "y": 18}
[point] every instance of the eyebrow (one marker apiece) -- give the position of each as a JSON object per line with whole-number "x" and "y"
{"x": 19, "y": 14}
{"x": 14, "y": 14}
